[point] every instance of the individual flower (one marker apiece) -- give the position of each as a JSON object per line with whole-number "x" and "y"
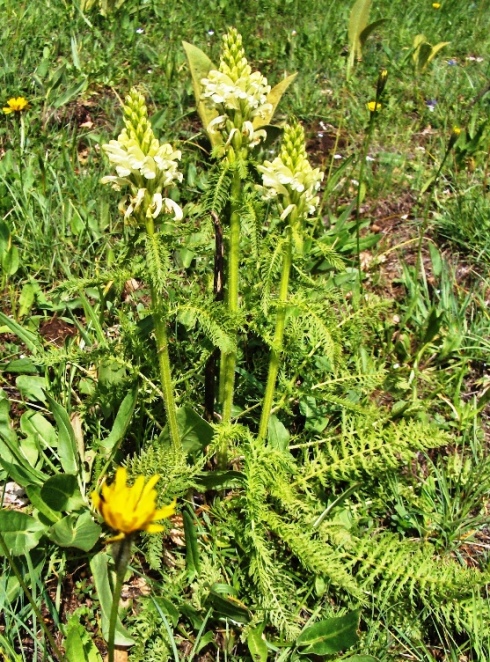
{"x": 143, "y": 163}
{"x": 373, "y": 106}
{"x": 290, "y": 177}
{"x": 15, "y": 105}
{"x": 237, "y": 94}
{"x": 129, "y": 509}
{"x": 436, "y": 5}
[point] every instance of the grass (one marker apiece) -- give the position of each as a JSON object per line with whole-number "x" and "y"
{"x": 371, "y": 492}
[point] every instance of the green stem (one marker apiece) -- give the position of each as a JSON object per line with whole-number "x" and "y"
{"x": 122, "y": 555}
{"x": 162, "y": 346}
{"x": 367, "y": 142}
{"x": 277, "y": 345}
{"x": 29, "y": 597}
{"x": 232, "y": 294}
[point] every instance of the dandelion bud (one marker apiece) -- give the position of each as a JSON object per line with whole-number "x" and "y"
{"x": 455, "y": 133}
{"x": 381, "y": 83}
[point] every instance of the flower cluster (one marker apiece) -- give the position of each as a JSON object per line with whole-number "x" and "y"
{"x": 142, "y": 163}
{"x": 290, "y": 177}
{"x": 130, "y": 509}
{"x": 238, "y": 95}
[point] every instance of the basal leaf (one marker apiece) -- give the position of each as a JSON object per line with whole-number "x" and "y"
{"x": 273, "y": 98}
{"x": 20, "y": 532}
{"x": 331, "y": 635}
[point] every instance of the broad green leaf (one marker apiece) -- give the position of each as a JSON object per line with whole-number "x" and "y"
{"x": 369, "y": 29}
{"x": 200, "y": 65}
{"x": 70, "y": 93}
{"x": 227, "y": 607}
{"x": 273, "y": 98}
{"x": 435, "y": 50}
{"x": 121, "y": 423}
{"x": 21, "y": 472}
{"x": 277, "y": 434}
{"x": 78, "y": 531}
{"x": 191, "y": 545}
{"x": 34, "y": 494}
{"x": 256, "y": 644}
{"x": 60, "y": 492}
{"x": 99, "y": 566}
{"x": 361, "y": 658}
{"x": 358, "y": 21}
{"x": 422, "y": 56}
{"x": 331, "y": 635}
{"x": 221, "y": 479}
{"x": 20, "y": 532}
{"x": 195, "y": 432}
{"x": 32, "y": 387}
{"x": 79, "y": 646}
{"x": 27, "y": 298}
{"x": 67, "y": 447}
{"x": 34, "y": 423}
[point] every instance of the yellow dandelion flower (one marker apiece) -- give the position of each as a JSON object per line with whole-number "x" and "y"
{"x": 15, "y": 105}
{"x": 373, "y": 106}
{"x": 436, "y": 5}
{"x": 129, "y": 509}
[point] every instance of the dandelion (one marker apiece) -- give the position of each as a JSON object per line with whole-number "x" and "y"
{"x": 129, "y": 509}
{"x": 373, "y": 106}
{"x": 15, "y": 105}
{"x": 436, "y": 5}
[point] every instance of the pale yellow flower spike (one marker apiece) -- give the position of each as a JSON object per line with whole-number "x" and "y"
{"x": 130, "y": 509}
{"x": 15, "y": 105}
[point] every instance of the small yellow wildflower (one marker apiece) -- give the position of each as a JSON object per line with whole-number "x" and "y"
{"x": 456, "y": 130}
{"x": 15, "y": 105}
{"x": 129, "y": 509}
{"x": 373, "y": 106}
{"x": 436, "y": 5}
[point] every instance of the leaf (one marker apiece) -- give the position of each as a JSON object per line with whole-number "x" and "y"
{"x": 200, "y": 66}
{"x": 99, "y": 565}
{"x": 277, "y": 434}
{"x": 369, "y": 29}
{"x": 361, "y": 658}
{"x": 121, "y": 424}
{"x": 32, "y": 387}
{"x": 20, "y": 532}
{"x": 191, "y": 546}
{"x": 221, "y": 479}
{"x": 34, "y": 494}
{"x": 195, "y": 432}
{"x": 435, "y": 50}
{"x": 227, "y": 607}
{"x": 257, "y": 645}
{"x": 273, "y": 98}
{"x": 330, "y": 635}
{"x": 78, "y": 531}
{"x": 60, "y": 492}
{"x": 358, "y": 21}
{"x": 70, "y": 93}
{"x": 67, "y": 447}
{"x": 78, "y": 644}
{"x": 30, "y": 340}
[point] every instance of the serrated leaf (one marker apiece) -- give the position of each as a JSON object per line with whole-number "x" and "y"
{"x": 330, "y": 635}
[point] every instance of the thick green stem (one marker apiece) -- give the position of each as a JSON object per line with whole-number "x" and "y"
{"x": 229, "y": 359}
{"x": 122, "y": 556}
{"x": 160, "y": 327}
{"x": 28, "y": 594}
{"x": 275, "y": 358}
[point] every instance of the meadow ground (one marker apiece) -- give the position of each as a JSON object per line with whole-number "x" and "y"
{"x": 332, "y": 485}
